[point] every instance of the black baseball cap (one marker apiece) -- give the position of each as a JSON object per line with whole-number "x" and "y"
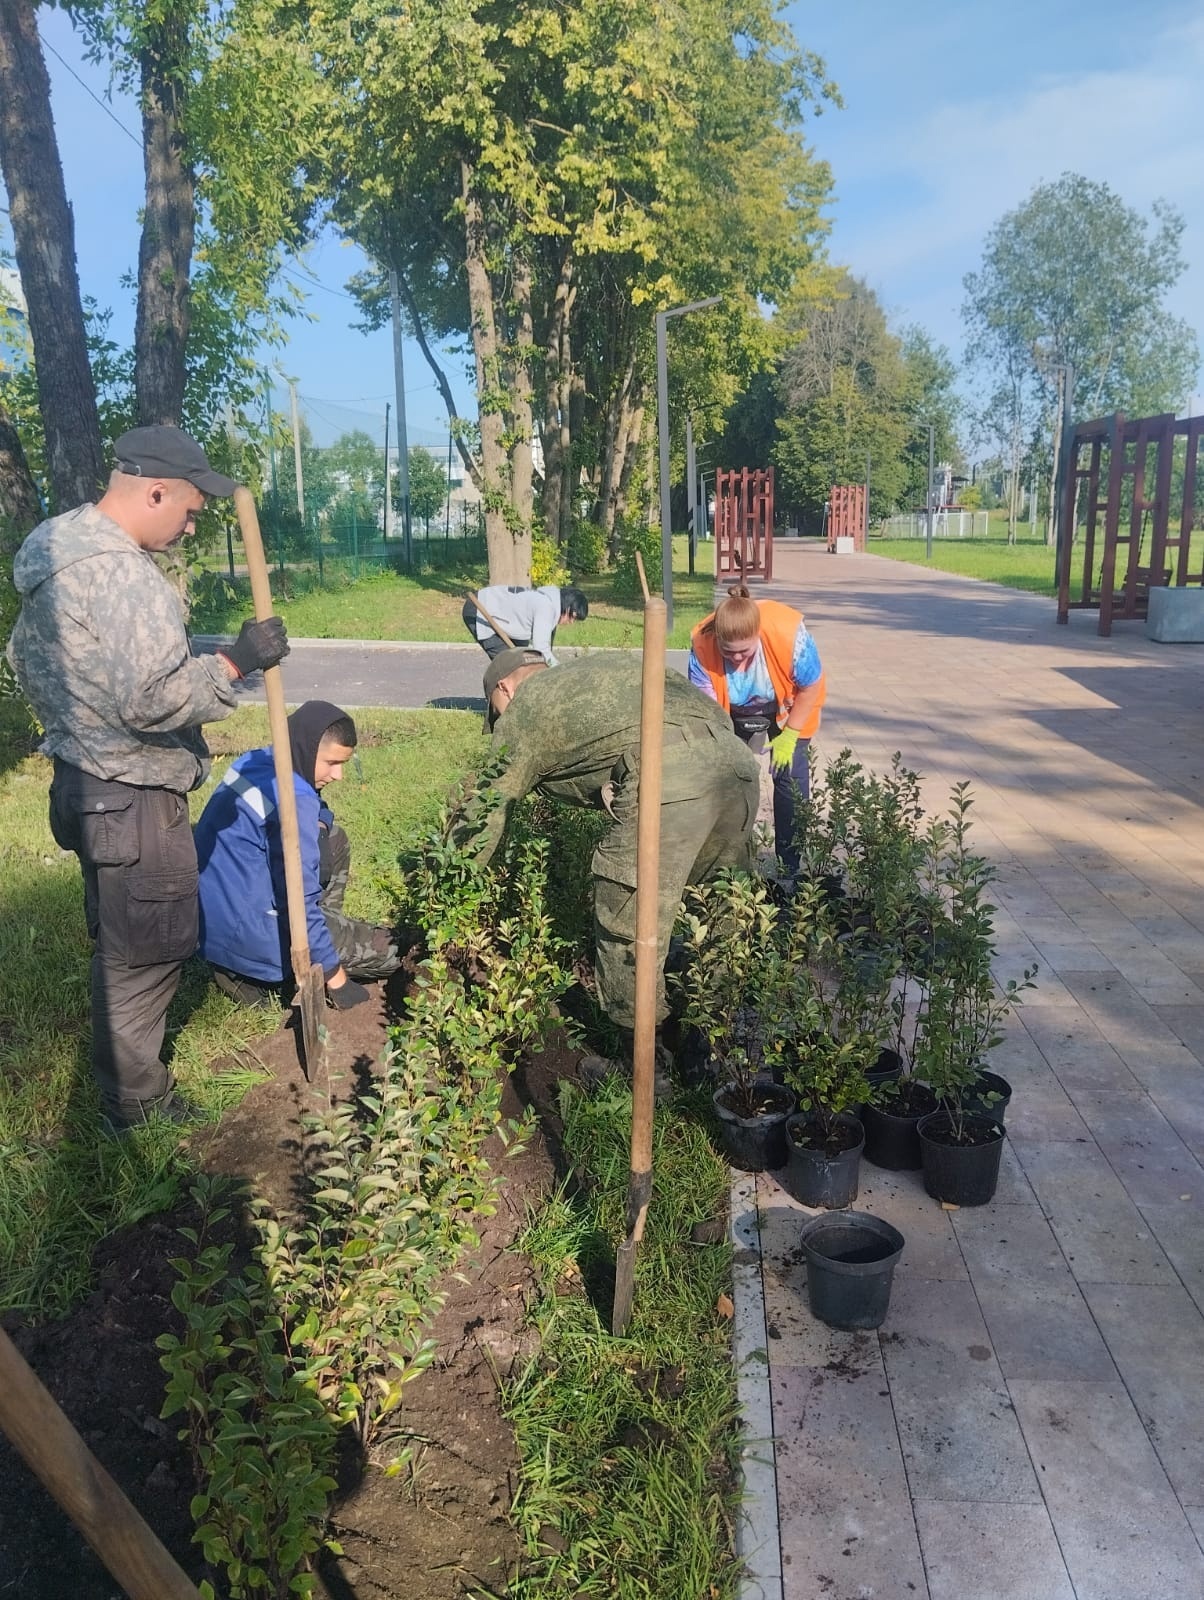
{"x": 166, "y": 452}
{"x": 499, "y": 668}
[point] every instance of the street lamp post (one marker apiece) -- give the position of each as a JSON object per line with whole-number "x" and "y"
{"x": 662, "y": 415}
{"x": 931, "y": 472}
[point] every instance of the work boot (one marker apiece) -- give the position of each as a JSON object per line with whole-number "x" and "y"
{"x": 117, "y": 1118}
{"x": 246, "y": 991}
{"x": 594, "y": 1070}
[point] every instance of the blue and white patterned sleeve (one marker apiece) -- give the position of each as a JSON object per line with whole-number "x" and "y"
{"x": 700, "y": 678}
{"x": 806, "y": 666}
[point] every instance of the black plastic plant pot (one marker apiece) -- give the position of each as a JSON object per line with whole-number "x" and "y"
{"x": 988, "y": 1096}
{"x": 756, "y": 1143}
{"x": 819, "y": 1171}
{"x": 963, "y": 1174}
{"x": 891, "y": 1140}
{"x": 850, "y": 1267}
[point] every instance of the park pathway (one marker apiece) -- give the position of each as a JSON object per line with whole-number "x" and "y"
{"x": 1029, "y": 1423}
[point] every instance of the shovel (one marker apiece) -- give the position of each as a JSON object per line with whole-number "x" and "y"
{"x": 54, "y": 1451}
{"x": 308, "y": 976}
{"x": 647, "y": 885}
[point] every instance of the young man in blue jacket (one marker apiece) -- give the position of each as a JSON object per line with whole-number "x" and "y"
{"x": 244, "y": 911}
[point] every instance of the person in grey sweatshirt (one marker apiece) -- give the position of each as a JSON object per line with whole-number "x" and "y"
{"x": 529, "y": 616}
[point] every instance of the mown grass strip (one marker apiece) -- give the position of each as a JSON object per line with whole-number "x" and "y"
{"x": 629, "y": 1445}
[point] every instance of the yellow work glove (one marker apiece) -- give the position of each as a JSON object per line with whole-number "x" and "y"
{"x": 781, "y": 751}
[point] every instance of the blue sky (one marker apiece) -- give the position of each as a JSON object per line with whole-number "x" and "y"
{"x": 953, "y": 111}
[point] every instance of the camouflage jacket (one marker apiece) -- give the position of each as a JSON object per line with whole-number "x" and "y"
{"x": 101, "y": 651}
{"x": 565, "y": 732}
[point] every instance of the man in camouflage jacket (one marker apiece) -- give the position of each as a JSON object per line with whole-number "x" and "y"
{"x": 101, "y": 651}
{"x": 574, "y": 734}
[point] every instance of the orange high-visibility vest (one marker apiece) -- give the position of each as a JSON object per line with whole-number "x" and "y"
{"x": 779, "y": 625}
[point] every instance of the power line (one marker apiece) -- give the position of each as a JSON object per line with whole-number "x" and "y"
{"x": 316, "y": 283}
{"x": 108, "y": 111}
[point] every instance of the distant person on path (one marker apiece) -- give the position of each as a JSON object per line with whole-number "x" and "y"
{"x": 101, "y": 651}
{"x": 574, "y": 734}
{"x": 529, "y": 616}
{"x": 244, "y": 908}
{"x": 759, "y": 662}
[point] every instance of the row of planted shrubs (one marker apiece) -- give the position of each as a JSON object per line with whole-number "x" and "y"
{"x": 312, "y": 1333}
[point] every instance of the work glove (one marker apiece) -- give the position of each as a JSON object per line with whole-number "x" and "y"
{"x": 347, "y": 995}
{"x": 781, "y": 751}
{"x": 259, "y": 645}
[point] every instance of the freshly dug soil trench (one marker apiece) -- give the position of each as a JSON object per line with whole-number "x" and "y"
{"x": 431, "y": 1534}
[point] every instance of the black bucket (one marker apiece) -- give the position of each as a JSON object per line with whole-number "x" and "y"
{"x": 850, "y": 1266}
{"x": 756, "y": 1144}
{"x": 988, "y": 1096}
{"x": 815, "y": 1179}
{"x": 961, "y": 1174}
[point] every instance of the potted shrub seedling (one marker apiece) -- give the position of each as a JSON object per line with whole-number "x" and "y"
{"x": 819, "y": 1030}
{"x": 728, "y": 926}
{"x": 960, "y": 1023}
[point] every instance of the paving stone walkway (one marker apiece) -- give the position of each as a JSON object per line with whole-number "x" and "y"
{"x": 1029, "y": 1423}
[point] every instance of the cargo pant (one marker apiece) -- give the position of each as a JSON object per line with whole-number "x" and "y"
{"x": 140, "y": 901}
{"x": 365, "y": 950}
{"x": 710, "y": 789}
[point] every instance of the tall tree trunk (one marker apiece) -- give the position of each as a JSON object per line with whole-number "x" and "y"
{"x": 20, "y": 507}
{"x": 44, "y": 240}
{"x": 555, "y": 418}
{"x": 499, "y": 542}
{"x": 471, "y": 465}
{"x": 631, "y": 454}
{"x": 165, "y": 250}
{"x": 572, "y": 398}
{"x": 616, "y": 425}
{"x": 522, "y": 418}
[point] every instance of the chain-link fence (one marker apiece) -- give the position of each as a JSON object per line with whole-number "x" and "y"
{"x": 951, "y": 523}
{"x": 333, "y": 508}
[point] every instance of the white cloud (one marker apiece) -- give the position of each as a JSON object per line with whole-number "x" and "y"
{"x": 1138, "y": 128}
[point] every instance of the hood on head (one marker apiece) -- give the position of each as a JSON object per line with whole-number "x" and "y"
{"x": 305, "y": 729}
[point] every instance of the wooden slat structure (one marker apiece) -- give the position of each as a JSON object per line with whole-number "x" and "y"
{"x": 846, "y": 518}
{"x": 744, "y": 523}
{"x": 1140, "y": 478}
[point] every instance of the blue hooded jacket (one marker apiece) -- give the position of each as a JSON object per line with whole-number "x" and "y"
{"x": 244, "y": 919}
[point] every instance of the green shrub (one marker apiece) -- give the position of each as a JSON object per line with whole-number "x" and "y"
{"x": 585, "y": 548}
{"x": 546, "y": 563}
{"x": 634, "y": 534}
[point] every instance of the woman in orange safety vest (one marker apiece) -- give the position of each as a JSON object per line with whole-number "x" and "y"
{"x": 757, "y": 659}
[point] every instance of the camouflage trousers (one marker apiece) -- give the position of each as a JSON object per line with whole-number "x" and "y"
{"x": 366, "y": 950}
{"x": 710, "y": 790}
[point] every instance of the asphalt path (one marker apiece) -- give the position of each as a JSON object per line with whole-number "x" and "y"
{"x": 377, "y": 672}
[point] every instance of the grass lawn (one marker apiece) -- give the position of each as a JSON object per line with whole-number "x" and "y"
{"x": 62, "y": 1186}
{"x": 385, "y": 605}
{"x": 1027, "y": 564}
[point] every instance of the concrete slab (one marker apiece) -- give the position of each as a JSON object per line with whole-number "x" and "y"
{"x": 1076, "y": 1051}
{"x": 1101, "y": 1231}
{"x": 956, "y": 1425}
{"x": 930, "y": 1248}
{"x": 1142, "y": 1148}
{"x": 975, "y": 1552}
{"x": 1167, "y": 1391}
{"x": 757, "y": 1537}
{"x": 846, "y": 1517}
{"x": 1179, "y": 1229}
{"x": 1122, "y": 1532}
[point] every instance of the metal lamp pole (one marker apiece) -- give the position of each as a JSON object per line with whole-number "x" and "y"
{"x": 662, "y": 416}
{"x": 931, "y": 474}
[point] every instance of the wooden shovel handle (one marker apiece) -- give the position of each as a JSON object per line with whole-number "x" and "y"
{"x": 273, "y": 683}
{"x": 54, "y": 1451}
{"x": 497, "y": 627}
{"x": 647, "y": 900}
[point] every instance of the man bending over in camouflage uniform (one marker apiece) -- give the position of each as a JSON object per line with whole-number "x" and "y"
{"x": 244, "y": 907}
{"x": 101, "y": 651}
{"x": 574, "y": 734}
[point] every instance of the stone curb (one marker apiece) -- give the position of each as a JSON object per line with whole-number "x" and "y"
{"x": 758, "y": 1537}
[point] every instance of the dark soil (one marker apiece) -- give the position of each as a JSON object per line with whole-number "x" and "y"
{"x": 759, "y": 1100}
{"x": 905, "y": 1097}
{"x": 973, "y": 1130}
{"x": 437, "y": 1532}
{"x": 814, "y": 1136}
